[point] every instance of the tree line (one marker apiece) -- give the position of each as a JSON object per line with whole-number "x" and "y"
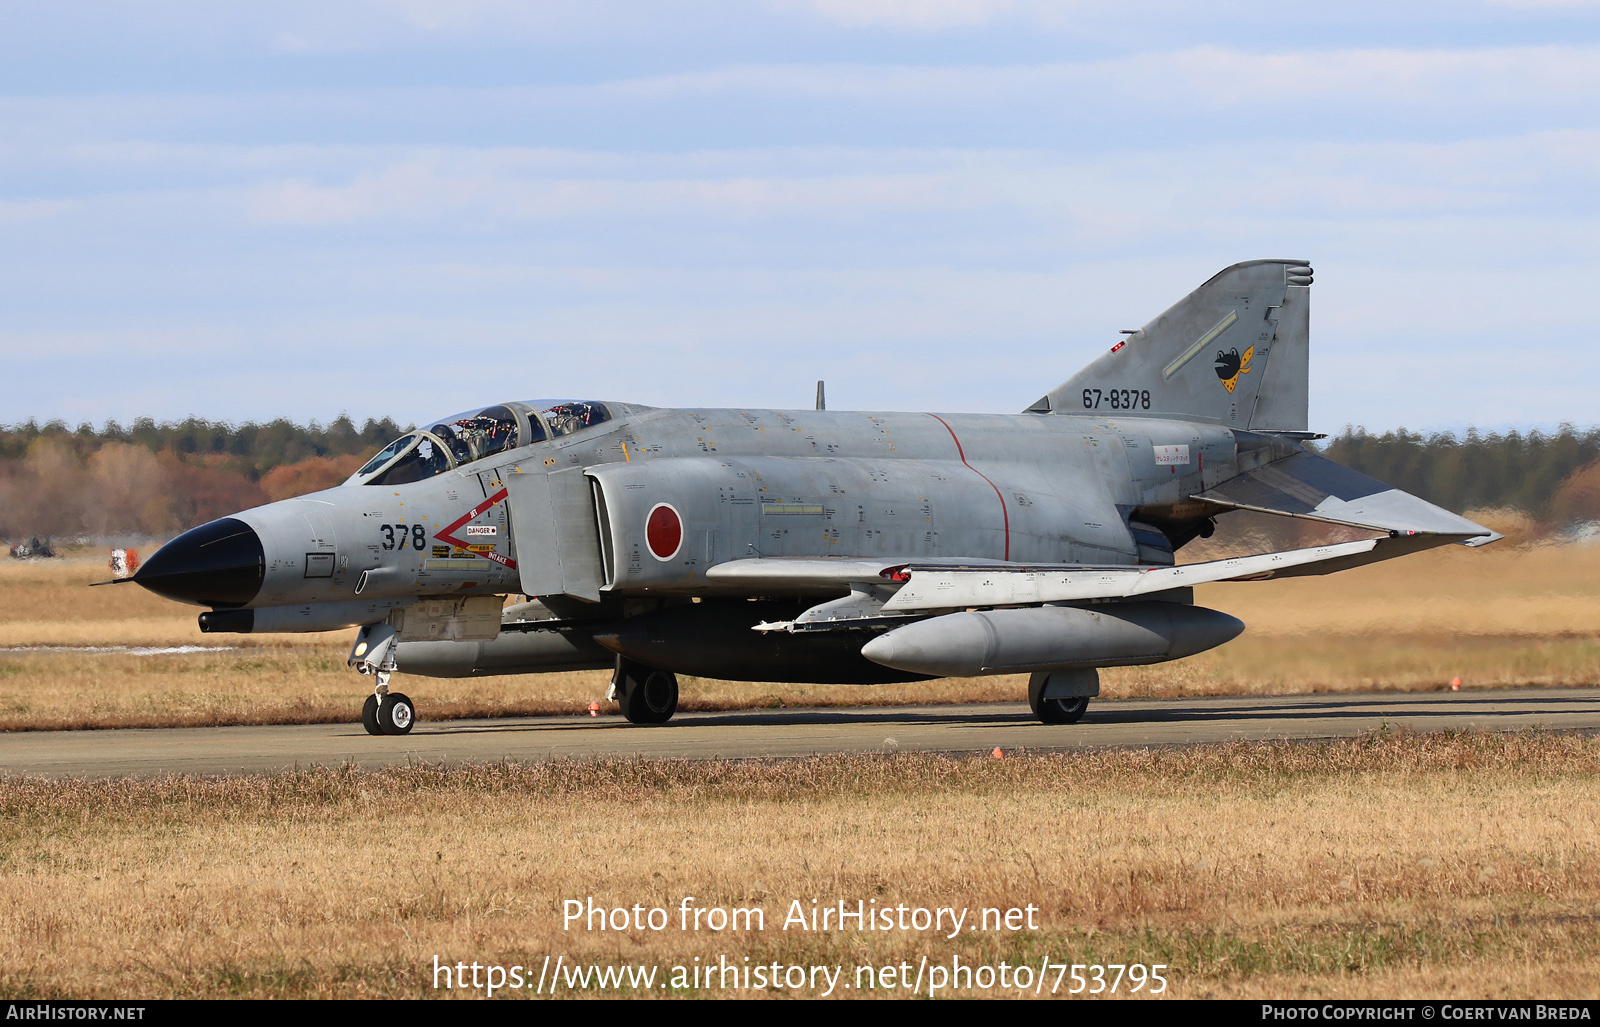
{"x": 250, "y": 449}
{"x": 1540, "y": 474}
{"x": 157, "y": 478}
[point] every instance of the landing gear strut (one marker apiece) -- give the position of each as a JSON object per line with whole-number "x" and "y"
{"x": 647, "y": 695}
{"x": 384, "y": 712}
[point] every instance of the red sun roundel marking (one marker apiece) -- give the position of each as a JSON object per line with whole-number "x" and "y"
{"x": 663, "y": 531}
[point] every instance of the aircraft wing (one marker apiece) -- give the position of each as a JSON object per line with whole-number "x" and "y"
{"x": 1313, "y": 487}
{"x": 799, "y": 575}
{"x": 939, "y": 588}
{"x": 920, "y": 586}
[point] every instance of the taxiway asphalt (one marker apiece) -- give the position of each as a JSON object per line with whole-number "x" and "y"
{"x": 748, "y": 734}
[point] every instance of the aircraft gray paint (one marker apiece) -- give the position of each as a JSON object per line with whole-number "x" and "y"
{"x": 821, "y": 546}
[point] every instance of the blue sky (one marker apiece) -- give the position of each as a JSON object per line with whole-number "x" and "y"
{"x": 242, "y": 211}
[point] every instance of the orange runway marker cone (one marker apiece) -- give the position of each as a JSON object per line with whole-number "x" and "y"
{"x": 997, "y": 754}
{"x": 1455, "y": 684}
{"x": 594, "y": 708}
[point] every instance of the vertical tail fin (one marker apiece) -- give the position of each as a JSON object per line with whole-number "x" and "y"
{"x": 1235, "y": 351}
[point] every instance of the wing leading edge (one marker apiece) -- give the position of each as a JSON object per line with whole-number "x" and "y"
{"x": 937, "y": 588}
{"x": 919, "y": 587}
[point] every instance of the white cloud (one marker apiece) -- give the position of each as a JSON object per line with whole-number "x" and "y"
{"x": 495, "y": 185}
{"x": 1100, "y": 197}
{"x": 1200, "y": 92}
{"x": 1125, "y": 19}
{"x": 15, "y": 212}
{"x": 1538, "y": 4}
{"x": 1200, "y": 78}
{"x": 1127, "y": 16}
{"x": 911, "y": 14}
{"x": 367, "y": 25}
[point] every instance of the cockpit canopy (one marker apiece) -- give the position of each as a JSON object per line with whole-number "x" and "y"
{"x": 476, "y": 434}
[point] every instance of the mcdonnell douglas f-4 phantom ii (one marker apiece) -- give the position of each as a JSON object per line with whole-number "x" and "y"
{"x": 821, "y": 545}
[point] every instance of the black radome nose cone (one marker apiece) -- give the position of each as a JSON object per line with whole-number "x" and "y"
{"x": 218, "y": 564}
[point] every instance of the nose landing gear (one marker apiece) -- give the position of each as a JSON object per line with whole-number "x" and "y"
{"x": 647, "y": 695}
{"x": 384, "y": 712}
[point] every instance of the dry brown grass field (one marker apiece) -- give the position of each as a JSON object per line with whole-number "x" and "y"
{"x": 1441, "y": 866}
{"x": 1508, "y": 615}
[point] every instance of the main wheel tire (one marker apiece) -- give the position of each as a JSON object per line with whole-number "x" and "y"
{"x": 369, "y": 716}
{"x": 396, "y": 715}
{"x": 1061, "y": 711}
{"x": 649, "y": 696}
{"x": 1054, "y": 711}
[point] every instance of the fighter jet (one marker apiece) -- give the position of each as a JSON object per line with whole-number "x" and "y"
{"x": 821, "y": 545}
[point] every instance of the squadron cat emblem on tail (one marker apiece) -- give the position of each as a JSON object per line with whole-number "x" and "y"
{"x": 1230, "y": 366}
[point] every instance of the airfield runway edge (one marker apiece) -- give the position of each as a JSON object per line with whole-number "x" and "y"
{"x": 747, "y": 734}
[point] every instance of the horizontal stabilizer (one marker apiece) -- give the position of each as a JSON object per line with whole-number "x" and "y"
{"x": 1313, "y": 487}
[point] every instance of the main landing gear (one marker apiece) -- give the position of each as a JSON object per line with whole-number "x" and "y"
{"x": 1062, "y": 696}
{"x": 647, "y": 695}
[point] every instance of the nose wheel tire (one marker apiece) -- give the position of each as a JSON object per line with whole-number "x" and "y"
{"x": 369, "y": 716}
{"x": 648, "y": 696}
{"x": 396, "y": 715}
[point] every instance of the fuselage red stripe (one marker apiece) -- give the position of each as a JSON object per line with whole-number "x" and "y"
{"x": 962, "y": 453}
{"x": 448, "y": 534}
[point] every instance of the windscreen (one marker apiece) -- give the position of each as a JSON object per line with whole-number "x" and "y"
{"x": 423, "y": 460}
{"x": 388, "y": 454}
